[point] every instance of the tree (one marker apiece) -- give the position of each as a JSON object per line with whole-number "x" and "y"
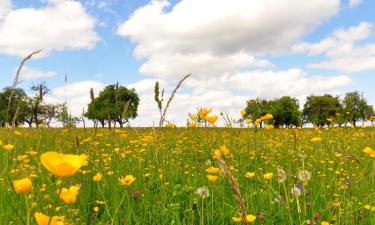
{"x": 356, "y": 108}
{"x": 65, "y": 118}
{"x": 318, "y": 109}
{"x": 256, "y": 108}
{"x": 16, "y": 111}
{"x": 114, "y": 104}
{"x": 285, "y": 111}
{"x": 35, "y": 107}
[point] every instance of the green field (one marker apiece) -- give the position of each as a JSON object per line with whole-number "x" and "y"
{"x": 171, "y": 164}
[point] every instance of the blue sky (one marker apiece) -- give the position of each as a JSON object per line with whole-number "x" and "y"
{"x": 232, "y": 58}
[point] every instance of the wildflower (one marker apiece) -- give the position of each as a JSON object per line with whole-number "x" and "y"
{"x": 257, "y": 122}
{"x": 193, "y": 117}
{"x": 203, "y": 192}
{"x": 69, "y": 196}
{"x": 249, "y": 175}
{"x": 370, "y": 152}
{"x": 249, "y": 218}
{"x": 324, "y": 223}
{"x": 8, "y": 147}
{"x": 269, "y": 127}
{"x": 97, "y": 177}
{"x": 170, "y": 125}
{"x": 281, "y": 176}
{"x": 268, "y": 176}
{"x": 213, "y": 170}
{"x": 204, "y": 112}
{"x": 249, "y": 121}
{"x": 62, "y": 165}
{"x": 127, "y": 180}
{"x": 211, "y": 119}
{"x": 225, "y": 150}
{"x": 23, "y": 185}
{"x": 96, "y": 209}
{"x": 212, "y": 178}
{"x": 217, "y": 154}
{"x": 316, "y": 139}
{"x": 42, "y": 219}
{"x": 296, "y": 192}
{"x": 304, "y": 175}
{"x": 266, "y": 117}
{"x": 243, "y": 112}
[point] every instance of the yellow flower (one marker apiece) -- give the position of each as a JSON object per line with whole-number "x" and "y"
{"x": 211, "y": 119}
{"x": 22, "y": 185}
{"x": 217, "y": 154}
{"x": 8, "y": 147}
{"x": 266, "y": 117}
{"x": 170, "y": 125}
{"x": 243, "y": 112}
{"x": 69, "y": 196}
{"x": 42, "y": 219}
{"x": 268, "y": 176}
{"x": 249, "y": 175}
{"x": 213, "y": 170}
{"x": 316, "y": 139}
{"x": 62, "y": 165}
{"x": 370, "y": 152}
{"x": 257, "y": 122}
{"x": 324, "y": 223}
{"x": 269, "y": 127}
{"x": 249, "y": 121}
{"x": 97, "y": 177}
{"x": 127, "y": 181}
{"x": 212, "y": 178}
{"x": 225, "y": 150}
{"x": 96, "y": 209}
{"x": 249, "y": 218}
{"x": 193, "y": 117}
{"x": 203, "y": 112}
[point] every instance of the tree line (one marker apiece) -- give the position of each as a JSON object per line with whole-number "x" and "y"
{"x": 115, "y": 105}
{"x": 319, "y": 110}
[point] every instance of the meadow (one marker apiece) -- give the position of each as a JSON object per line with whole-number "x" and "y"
{"x": 171, "y": 176}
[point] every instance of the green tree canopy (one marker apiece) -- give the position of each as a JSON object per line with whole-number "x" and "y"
{"x": 356, "y": 108}
{"x": 114, "y": 104}
{"x": 318, "y": 109}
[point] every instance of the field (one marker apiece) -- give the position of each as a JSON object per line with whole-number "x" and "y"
{"x": 286, "y": 176}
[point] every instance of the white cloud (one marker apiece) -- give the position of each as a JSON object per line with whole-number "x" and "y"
{"x": 61, "y": 25}
{"x": 223, "y": 43}
{"x": 224, "y": 26}
{"x": 78, "y": 89}
{"x": 354, "y": 3}
{"x": 29, "y": 73}
{"x": 342, "y": 50}
{"x": 5, "y": 6}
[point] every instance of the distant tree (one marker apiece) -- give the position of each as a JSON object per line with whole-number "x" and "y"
{"x": 285, "y": 111}
{"x": 49, "y": 112}
{"x": 16, "y": 112}
{"x": 114, "y": 104}
{"x": 356, "y": 108}
{"x": 318, "y": 109}
{"x": 256, "y": 108}
{"x": 35, "y": 104}
{"x": 65, "y": 118}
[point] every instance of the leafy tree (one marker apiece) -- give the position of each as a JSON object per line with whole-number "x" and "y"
{"x": 356, "y": 108}
{"x": 285, "y": 111}
{"x": 16, "y": 113}
{"x": 35, "y": 104}
{"x": 114, "y": 104}
{"x": 256, "y": 108}
{"x": 318, "y": 109}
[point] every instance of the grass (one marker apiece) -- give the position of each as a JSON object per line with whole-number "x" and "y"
{"x": 172, "y": 165}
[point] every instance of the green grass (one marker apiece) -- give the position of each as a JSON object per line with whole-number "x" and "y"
{"x": 339, "y": 188}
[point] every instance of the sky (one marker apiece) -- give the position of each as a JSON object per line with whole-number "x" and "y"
{"x": 235, "y": 50}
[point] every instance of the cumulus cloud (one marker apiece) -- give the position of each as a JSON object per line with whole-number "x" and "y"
{"x": 30, "y": 73}
{"x": 342, "y": 50}
{"x": 60, "y": 25}
{"x": 226, "y": 46}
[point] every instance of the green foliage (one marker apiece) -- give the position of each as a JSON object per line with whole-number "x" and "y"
{"x": 285, "y": 111}
{"x": 17, "y": 110}
{"x": 318, "y": 109}
{"x": 111, "y": 103}
{"x": 356, "y": 108}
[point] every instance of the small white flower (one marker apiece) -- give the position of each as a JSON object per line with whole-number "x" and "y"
{"x": 304, "y": 175}
{"x": 203, "y": 192}
{"x": 281, "y": 175}
{"x": 296, "y": 192}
